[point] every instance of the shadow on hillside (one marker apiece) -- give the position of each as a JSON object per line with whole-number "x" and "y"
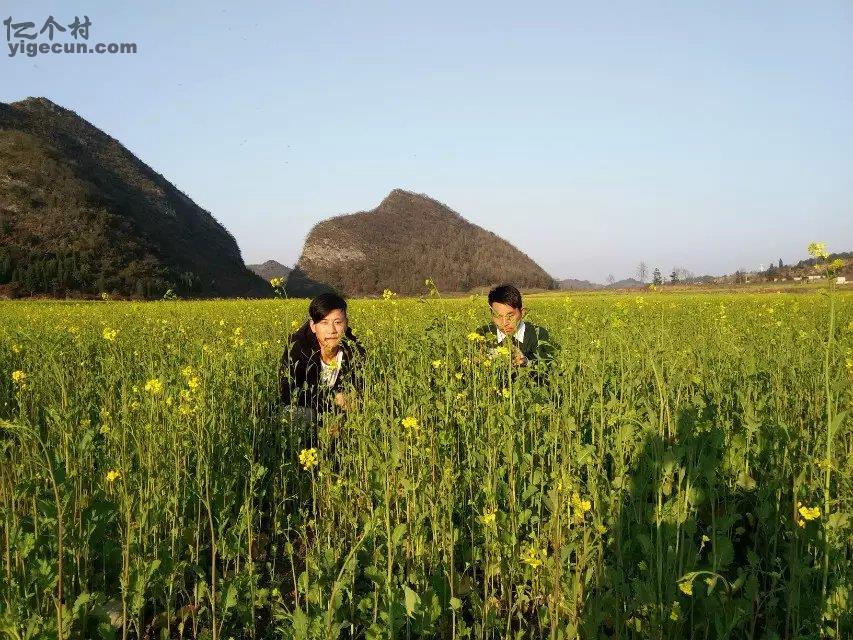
{"x": 300, "y": 285}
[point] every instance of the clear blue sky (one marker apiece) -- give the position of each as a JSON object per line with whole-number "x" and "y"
{"x": 711, "y": 135}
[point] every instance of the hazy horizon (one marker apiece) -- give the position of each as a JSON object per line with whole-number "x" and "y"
{"x": 712, "y": 136}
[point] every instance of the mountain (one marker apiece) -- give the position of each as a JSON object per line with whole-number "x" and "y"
{"x": 408, "y": 238}
{"x": 81, "y": 215}
{"x": 572, "y": 284}
{"x": 627, "y": 283}
{"x": 270, "y": 269}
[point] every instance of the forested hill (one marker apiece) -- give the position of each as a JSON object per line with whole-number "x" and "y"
{"x": 407, "y": 239}
{"x": 81, "y": 215}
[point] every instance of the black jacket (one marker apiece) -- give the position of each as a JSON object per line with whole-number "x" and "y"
{"x": 299, "y": 371}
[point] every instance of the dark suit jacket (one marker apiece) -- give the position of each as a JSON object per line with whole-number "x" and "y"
{"x": 299, "y": 370}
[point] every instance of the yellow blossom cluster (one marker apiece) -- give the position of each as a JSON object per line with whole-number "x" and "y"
{"x": 580, "y": 507}
{"x": 533, "y": 557}
{"x": 806, "y": 513}
{"x": 488, "y": 517}
{"x": 308, "y": 458}
{"x": 154, "y": 387}
{"x": 818, "y": 250}
{"x": 237, "y": 339}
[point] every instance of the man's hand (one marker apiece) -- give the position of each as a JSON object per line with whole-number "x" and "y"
{"x": 518, "y": 358}
{"x": 345, "y": 401}
{"x": 341, "y": 400}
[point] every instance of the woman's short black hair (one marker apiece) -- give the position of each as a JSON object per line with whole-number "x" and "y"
{"x": 506, "y": 294}
{"x": 324, "y": 304}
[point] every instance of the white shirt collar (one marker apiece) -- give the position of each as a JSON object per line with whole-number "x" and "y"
{"x": 339, "y": 358}
{"x": 519, "y": 333}
{"x": 328, "y": 372}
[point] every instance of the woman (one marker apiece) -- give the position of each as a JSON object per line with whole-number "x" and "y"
{"x": 320, "y": 368}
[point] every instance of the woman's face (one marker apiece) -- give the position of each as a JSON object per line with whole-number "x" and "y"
{"x": 331, "y": 329}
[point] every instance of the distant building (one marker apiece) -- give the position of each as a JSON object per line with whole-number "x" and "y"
{"x": 797, "y": 278}
{"x": 840, "y": 280}
{"x": 813, "y": 278}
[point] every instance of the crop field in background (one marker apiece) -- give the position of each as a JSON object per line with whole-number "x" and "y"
{"x": 683, "y": 469}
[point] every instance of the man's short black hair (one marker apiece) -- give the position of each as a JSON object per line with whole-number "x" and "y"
{"x": 506, "y": 294}
{"x": 324, "y": 304}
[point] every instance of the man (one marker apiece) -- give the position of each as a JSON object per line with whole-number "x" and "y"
{"x": 527, "y": 341}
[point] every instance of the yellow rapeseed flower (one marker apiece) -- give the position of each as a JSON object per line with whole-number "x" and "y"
{"x": 308, "y": 458}
{"x": 154, "y": 386}
{"x": 476, "y": 337}
{"x": 110, "y": 334}
{"x": 410, "y": 423}
{"x": 686, "y": 587}
{"x": 675, "y": 614}
{"x": 488, "y": 517}
{"x": 436, "y": 364}
{"x": 502, "y": 351}
{"x": 113, "y": 475}
{"x": 579, "y": 505}
{"x": 533, "y": 557}
{"x": 18, "y": 377}
{"x": 818, "y": 250}
{"x": 807, "y": 513}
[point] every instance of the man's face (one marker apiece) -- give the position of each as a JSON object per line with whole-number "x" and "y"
{"x": 506, "y": 318}
{"x": 331, "y": 329}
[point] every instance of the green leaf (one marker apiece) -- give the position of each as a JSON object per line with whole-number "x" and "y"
{"x": 746, "y": 481}
{"x": 836, "y": 423}
{"x": 300, "y": 624}
{"x": 412, "y": 600}
{"x": 399, "y": 531}
{"x": 229, "y": 598}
